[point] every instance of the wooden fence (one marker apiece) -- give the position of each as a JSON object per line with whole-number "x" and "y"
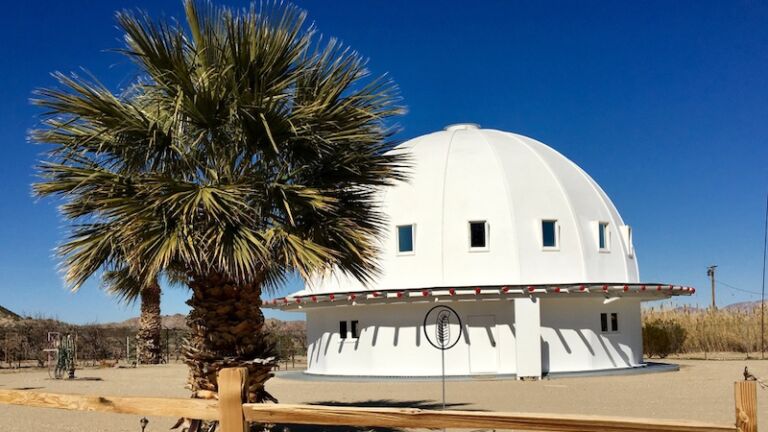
{"x": 234, "y": 415}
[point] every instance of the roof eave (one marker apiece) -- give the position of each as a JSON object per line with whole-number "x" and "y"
{"x": 646, "y": 291}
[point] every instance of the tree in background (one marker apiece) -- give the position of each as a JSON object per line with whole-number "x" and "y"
{"x": 128, "y": 289}
{"x": 246, "y": 150}
{"x": 150, "y": 326}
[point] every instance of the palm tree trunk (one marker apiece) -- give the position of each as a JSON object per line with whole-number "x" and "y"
{"x": 226, "y": 331}
{"x": 150, "y": 325}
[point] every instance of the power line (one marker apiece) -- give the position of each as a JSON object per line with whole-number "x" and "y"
{"x": 738, "y": 289}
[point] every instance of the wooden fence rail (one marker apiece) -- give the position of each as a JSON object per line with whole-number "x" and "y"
{"x": 234, "y": 415}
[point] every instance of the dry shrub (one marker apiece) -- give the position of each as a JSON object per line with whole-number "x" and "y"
{"x": 706, "y": 330}
{"x": 662, "y": 338}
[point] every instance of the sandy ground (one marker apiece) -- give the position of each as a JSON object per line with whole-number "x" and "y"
{"x": 701, "y": 390}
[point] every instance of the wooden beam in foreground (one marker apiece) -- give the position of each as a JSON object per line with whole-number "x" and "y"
{"x": 151, "y": 406}
{"x": 353, "y": 416}
{"x": 231, "y": 389}
{"x": 745, "y": 393}
{"x": 416, "y": 418}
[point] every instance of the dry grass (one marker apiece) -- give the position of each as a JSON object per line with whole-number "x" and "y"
{"x": 723, "y": 330}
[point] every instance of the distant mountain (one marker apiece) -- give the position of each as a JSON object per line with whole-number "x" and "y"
{"x": 175, "y": 321}
{"x": 8, "y": 316}
{"x": 286, "y": 325}
{"x": 744, "y": 306}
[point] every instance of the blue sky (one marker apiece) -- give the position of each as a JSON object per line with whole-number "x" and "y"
{"x": 664, "y": 103}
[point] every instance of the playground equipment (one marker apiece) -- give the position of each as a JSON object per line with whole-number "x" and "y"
{"x": 62, "y": 354}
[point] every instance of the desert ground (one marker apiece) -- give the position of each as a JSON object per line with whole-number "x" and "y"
{"x": 701, "y": 390}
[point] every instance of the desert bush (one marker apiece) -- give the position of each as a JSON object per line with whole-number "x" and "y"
{"x": 707, "y": 330}
{"x": 662, "y": 338}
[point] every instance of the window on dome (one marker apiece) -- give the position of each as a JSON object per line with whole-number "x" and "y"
{"x": 478, "y": 235}
{"x": 549, "y": 234}
{"x": 603, "y": 240}
{"x": 405, "y": 238}
{"x": 343, "y": 329}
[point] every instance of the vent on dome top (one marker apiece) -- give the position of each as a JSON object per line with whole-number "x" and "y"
{"x": 462, "y": 126}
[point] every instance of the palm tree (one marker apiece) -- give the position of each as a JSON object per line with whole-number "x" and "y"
{"x": 150, "y": 325}
{"x": 129, "y": 289}
{"x": 247, "y": 149}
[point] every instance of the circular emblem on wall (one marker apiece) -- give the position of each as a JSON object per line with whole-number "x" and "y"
{"x": 442, "y": 327}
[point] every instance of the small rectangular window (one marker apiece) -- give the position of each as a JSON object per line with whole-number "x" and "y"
{"x": 478, "y": 237}
{"x": 343, "y": 329}
{"x": 354, "y": 328}
{"x": 405, "y": 238}
{"x": 602, "y": 235}
{"x": 609, "y": 323}
{"x": 549, "y": 233}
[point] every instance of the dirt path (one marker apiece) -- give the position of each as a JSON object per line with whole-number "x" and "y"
{"x": 701, "y": 390}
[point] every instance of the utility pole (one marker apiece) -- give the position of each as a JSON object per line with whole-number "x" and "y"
{"x": 711, "y": 274}
{"x": 762, "y": 294}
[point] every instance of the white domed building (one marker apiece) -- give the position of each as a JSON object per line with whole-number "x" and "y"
{"x": 520, "y": 242}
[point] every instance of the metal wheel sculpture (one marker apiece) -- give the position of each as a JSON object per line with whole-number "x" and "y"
{"x": 61, "y": 356}
{"x": 66, "y": 358}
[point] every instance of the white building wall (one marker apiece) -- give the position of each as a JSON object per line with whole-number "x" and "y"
{"x": 392, "y": 341}
{"x": 572, "y": 339}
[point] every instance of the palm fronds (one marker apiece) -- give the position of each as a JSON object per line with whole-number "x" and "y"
{"x": 247, "y": 147}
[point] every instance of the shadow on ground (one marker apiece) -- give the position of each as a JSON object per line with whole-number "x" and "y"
{"x": 377, "y": 403}
{"x": 390, "y": 403}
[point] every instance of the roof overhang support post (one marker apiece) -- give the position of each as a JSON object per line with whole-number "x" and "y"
{"x": 528, "y": 337}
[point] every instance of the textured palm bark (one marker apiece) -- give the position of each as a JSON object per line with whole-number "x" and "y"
{"x": 150, "y": 326}
{"x": 226, "y": 331}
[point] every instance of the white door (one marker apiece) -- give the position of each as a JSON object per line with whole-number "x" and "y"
{"x": 483, "y": 344}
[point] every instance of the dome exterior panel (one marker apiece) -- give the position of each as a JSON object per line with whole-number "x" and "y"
{"x": 537, "y": 196}
{"x": 511, "y": 182}
{"x": 419, "y": 204}
{"x": 589, "y": 207}
{"x": 474, "y": 192}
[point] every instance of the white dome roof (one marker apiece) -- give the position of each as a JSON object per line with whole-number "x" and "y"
{"x": 511, "y": 182}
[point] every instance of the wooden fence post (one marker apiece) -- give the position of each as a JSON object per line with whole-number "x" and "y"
{"x": 745, "y": 393}
{"x": 231, "y": 386}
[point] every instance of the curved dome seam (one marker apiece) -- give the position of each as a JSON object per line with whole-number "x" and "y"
{"x": 510, "y": 202}
{"x": 442, "y": 205}
{"x": 579, "y": 236}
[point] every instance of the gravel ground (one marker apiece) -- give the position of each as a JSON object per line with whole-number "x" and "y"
{"x": 701, "y": 390}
